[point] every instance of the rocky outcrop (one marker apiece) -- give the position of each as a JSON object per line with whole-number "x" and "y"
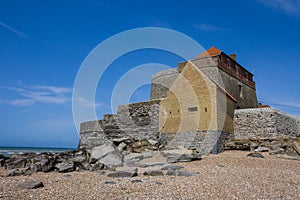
{"x": 278, "y": 146}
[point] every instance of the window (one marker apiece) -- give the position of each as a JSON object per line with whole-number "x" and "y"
{"x": 246, "y": 75}
{"x": 193, "y": 109}
{"x": 228, "y": 64}
{"x": 205, "y": 109}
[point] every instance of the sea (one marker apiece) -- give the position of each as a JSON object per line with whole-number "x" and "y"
{"x": 9, "y": 151}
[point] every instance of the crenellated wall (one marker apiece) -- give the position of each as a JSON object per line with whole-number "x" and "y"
{"x": 133, "y": 122}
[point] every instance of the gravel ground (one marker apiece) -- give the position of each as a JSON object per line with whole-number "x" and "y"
{"x": 230, "y": 175}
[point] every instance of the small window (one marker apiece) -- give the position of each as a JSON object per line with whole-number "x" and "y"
{"x": 193, "y": 109}
{"x": 205, "y": 109}
{"x": 228, "y": 64}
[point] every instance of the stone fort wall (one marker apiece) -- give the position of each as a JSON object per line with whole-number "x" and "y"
{"x": 238, "y": 86}
{"x": 265, "y": 123}
{"x": 161, "y": 82}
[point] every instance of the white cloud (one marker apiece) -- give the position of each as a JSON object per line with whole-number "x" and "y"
{"x": 209, "y": 27}
{"x": 291, "y": 7}
{"x": 41, "y": 94}
{"x": 19, "y": 33}
{"x": 18, "y": 102}
{"x": 88, "y": 103}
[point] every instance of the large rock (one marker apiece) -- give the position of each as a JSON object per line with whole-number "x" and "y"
{"x": 171, "y": 167}
{"x": 106, "y": 154}
{"x": 261, "y": 149}
{"x": 124, "y": 173}
{"x": 172, "y": 172}
{"x": 31, "y": 185}
{"x": 66, "y": 166}
{"x": 255, "y": 155}
{"x": 14, "y": 164}
{"x": 153, "y": 173}
{"x": 181, "y": 155}
{"x": 42, "y": 166}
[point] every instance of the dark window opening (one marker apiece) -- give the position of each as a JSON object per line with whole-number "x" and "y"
{"x": 193, "y": 109}
{"x": 228, "y": 64}
{"x": 205, "y": 109}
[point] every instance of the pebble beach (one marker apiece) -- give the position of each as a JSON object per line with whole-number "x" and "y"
{"x": 229, "y": 175}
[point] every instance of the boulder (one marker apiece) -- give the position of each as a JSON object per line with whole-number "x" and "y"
{"x": 255, "y": 155}
{"x": 106, "y": 154}
{"x": 181, "y": 155}
{"x": 31, "y": 185}
{"x": 133, "y": 156}
{"x": 43, "y": 166}
{"x": 153, "y": 173}
{"x": 97, "y": 166}
{"x": 136, "y": 181}
{"x": 110, "y": 182}
{"x": 124, "y": 173}
{"x": 171, "y": 172}
{"x": 15, "y": 172}
{"x": 14, "y": 164}
{"x": 151, "y": 164}
{"x": 66, "y": 166}
{"x": 171, "y": 167}
{"x": 121, "y": 147}
{"x": 261, "y": 149}
{"x": 296, "y": 146}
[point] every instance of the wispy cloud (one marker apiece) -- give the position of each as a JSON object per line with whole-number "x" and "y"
{"x": 88, "y": 103}
{"x": 19, "y": 33}
{"x": 291, "y": 7}
{"x": 209, "y": 27}
{"x": 38, "y": 94}
{"x": 18, "y": 102}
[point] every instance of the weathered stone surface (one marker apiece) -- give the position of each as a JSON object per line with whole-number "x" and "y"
{"x": 296, "y": 146}
{"x": 110, "y": 182}
{"x": 106, "y": 154}
{"x": 124, "y": 173}
{"x": 264, "y": 123}
{"x": 151, "y": 164}
{"x": 18, "y": 163}
{"x": 42, "y": 166}
{"x": 2, "y": 160}
{"x": 121, "y": 146}
{"x": 133, "y": 156}
{"x": 171, "y": 172}
{"x": 171, "y": 167}
{"x": 66, "y": 166}
{"x": 153, "y": 173}
{"x": 15, "y": 172}
{"x": 181, "y": 155}
{"x": 97, "y": 166}
{"x": 255, "y": 155}
{"x": 31, "y": 185}
{"x": 238, "y": 145}
{"x": 261, "y": 149}
{"x": 136, "y": 181}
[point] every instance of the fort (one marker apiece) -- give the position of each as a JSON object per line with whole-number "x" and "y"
{"x": 205, "y": 105}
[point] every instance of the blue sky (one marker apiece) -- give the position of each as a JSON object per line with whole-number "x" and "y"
{"x": 43, "y": 44}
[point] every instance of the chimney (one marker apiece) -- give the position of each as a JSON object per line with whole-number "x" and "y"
{"x": 233, "y": 56}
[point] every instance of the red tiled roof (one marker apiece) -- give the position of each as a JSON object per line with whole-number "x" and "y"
{"x": 213, "y": 51}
